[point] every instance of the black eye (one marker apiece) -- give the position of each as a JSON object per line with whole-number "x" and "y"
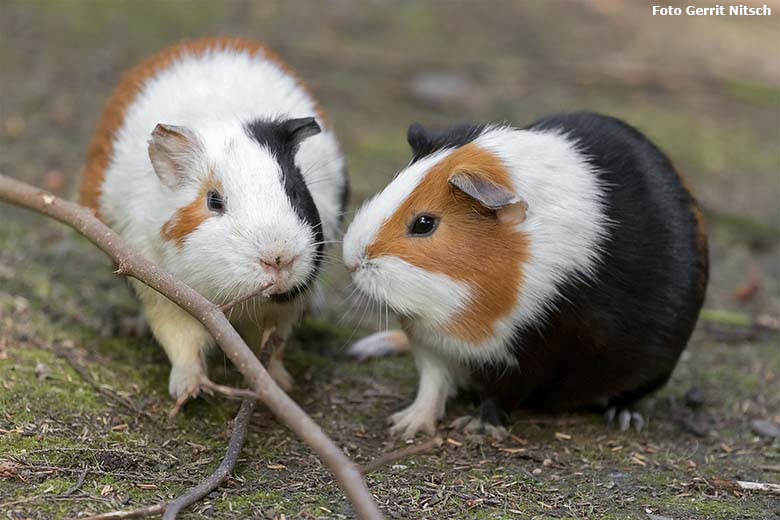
{"x": 215, "y": 202}
{"x": 423, "y": 225}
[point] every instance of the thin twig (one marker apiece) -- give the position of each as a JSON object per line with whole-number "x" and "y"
{"x": 156, "y": 509}
{"x": 111, "y": 395}
{"x": 402, "y": 453}
{"x": 43, "y": 469}
{"x": 211, "y": 387}
{"x": 212, "y": 482}
{"x": 741, "y": 485}
{"x": 130, "y": 263}
{"x": 80, "y": 482}
{"x": 226, "y": 466}
{"x": 241, "y": 299}
{"x": 229, "y": 391}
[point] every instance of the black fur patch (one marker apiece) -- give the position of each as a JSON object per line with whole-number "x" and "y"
{"x": 283, "y": 137}
{"x": 618, "y": 336}
{"x": 425, "y": 142}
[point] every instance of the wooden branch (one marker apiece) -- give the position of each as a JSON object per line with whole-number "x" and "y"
{"x": 211, "y": 316}
{"x": 223, "y": 471}
{"x": 741, "y": 485}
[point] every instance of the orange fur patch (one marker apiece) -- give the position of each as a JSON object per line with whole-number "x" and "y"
{"x": 100, "y": 148}
{"x": 698, "y": 216}
{"x": 188, "y": 218}
{"x": 702, "y": 245}
{"x": 470, "y": 245}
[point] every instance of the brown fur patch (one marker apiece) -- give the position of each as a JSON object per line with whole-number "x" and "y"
{"x": 100, "y": 149}
{"x": 470, "y": 245}
{"x": 702, "y": 242}
{"x": 188, "y": 218}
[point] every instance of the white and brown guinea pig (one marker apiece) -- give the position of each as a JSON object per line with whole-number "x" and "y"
{"x": 559, "y": 265}
{"x": 209, "y": 161}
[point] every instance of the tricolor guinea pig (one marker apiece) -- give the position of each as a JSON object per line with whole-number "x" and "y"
{"x": 212, "y": 160}
{"x": 558, "y": 266}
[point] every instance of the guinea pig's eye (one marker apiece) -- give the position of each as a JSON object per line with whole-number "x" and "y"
{"x": 215, "y": 202}
{"x": 423, "y": 226}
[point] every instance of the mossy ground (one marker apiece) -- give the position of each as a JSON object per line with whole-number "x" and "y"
{"x": 704, "y": 89}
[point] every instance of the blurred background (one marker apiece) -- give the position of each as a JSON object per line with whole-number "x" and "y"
{"x": 705, "y": 89}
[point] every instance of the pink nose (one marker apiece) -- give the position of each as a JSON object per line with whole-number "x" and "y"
{"x": 277, "y": 263}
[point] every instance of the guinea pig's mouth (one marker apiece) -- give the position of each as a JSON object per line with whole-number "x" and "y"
{"x": 285, "y": 289}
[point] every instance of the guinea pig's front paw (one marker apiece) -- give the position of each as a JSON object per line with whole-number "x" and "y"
{"x": 413, "y": 419}
{"x": 184, "y": 381}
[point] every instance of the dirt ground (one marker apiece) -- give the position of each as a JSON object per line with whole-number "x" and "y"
{"x": 96, "y": 438}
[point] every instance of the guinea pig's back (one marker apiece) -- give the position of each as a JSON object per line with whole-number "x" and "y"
{"x": 656, "y": 243}
{"x": 619, "y": 334}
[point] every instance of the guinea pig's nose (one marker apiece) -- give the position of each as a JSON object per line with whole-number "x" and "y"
{"x": 276, "y": 263}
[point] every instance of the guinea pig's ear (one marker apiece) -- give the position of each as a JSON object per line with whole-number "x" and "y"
{"x": 296, "y": 130}
{"x": 174, "y": 151}
{"x": 418, "y": 137}
{"x": 507, "y": 205}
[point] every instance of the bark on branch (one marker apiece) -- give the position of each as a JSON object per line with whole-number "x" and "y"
{"x": 132, "y": 264}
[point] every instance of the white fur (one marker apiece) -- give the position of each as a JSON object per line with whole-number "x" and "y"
{"x": 565, "y": 225}
{"x": 431, "y": 298}
{"x": 565, "y": 222}
{"x": 215, "y": 95}
{"x": 439, "y": 380}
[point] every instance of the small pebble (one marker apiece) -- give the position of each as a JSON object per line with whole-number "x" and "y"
{"x": 765, "y": 428}
{"x": 42, "y": 371}
{"x": 537, "y": 471}
{"x": 692, "y": 426}
{"x": 694, "y": 397}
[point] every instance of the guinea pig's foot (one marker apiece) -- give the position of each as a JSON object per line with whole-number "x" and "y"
{"x": 416, "y": 418}
{"x": 473, "y": 425}
{"x": 625, "y": 418}
{"x": 486, "y": 422}
{"x": 379, "y": 344}
{"x": 280, "y": 374}
{"x": 184, "y": 383}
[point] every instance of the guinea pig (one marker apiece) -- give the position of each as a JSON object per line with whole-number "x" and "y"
{"x": 213, "y": 160}
{"x": 557, "y": 266}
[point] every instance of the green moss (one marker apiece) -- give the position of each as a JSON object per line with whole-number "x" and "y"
{"x": 703, "y": 506}
{"x": 727, "y": 317}
{"x": 752, "y": 92}
{"x": 737, "y": 228}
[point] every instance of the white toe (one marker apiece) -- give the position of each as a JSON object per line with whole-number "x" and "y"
{"x": 624, "y": 420}
{"x": 185, "y": 379}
